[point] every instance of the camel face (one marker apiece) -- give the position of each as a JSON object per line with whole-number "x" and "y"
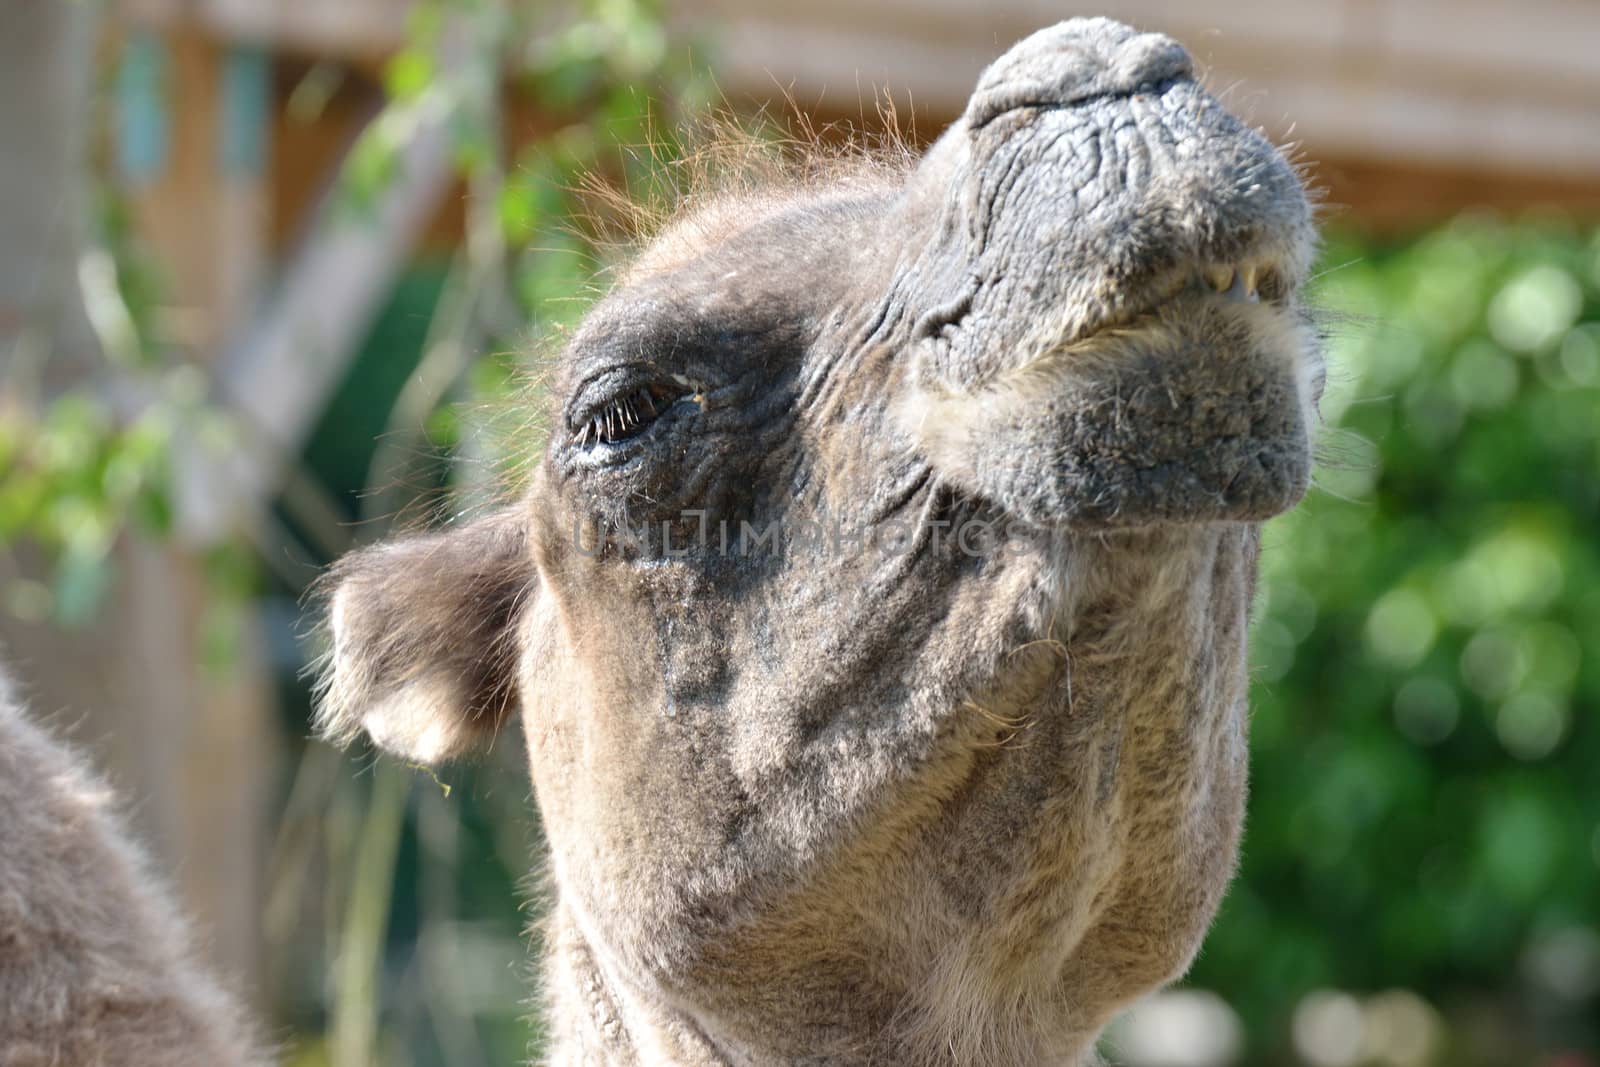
{"x": 876, "y": 615}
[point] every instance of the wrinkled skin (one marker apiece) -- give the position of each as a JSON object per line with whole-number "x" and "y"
{"x": 956, "y": 802}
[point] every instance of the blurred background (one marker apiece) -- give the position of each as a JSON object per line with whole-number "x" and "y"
{"x": 269, "y": 268}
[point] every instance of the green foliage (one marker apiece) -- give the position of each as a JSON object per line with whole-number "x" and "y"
{"x": 1425, "y": 811}
{"x": 95, "y": 461}
{"x": 71, "y": 479}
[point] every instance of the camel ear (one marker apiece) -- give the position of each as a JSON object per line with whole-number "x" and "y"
{"x": 424, "y": 652}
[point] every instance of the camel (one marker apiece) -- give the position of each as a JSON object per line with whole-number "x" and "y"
{"x": 96, "y": 966}
{"x": 875, "y": 614}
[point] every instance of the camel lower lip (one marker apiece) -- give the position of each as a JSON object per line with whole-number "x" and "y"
{"x": 1194, "y": 412}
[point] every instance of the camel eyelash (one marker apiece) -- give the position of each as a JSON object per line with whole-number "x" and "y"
{"x": 626, "y": 415}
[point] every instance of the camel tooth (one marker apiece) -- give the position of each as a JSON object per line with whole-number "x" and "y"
{"x": 1251, "y": 278}
{"x": 1243, "y": 288}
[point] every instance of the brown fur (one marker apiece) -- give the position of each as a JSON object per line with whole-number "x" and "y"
{"x": 96, "y": 968}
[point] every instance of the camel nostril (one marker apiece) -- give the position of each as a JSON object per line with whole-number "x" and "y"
{"x": 1149, "y": 59}
{"x": 1074, "y": 61}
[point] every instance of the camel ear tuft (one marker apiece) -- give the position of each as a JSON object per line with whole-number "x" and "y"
{"x": 424, "y": 656}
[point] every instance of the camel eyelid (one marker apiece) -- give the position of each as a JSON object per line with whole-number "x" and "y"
{"x": 626, "y": 413}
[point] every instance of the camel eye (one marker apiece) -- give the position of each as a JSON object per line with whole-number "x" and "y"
{"x": 625, "y": 415}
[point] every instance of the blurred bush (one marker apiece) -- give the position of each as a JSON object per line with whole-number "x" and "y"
{"x": 1425, "y": 805}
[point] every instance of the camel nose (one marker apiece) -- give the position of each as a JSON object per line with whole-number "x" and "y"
{"x": 1074, "y": 61}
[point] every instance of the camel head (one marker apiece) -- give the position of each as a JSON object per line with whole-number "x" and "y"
{"x": 875, "y": 616}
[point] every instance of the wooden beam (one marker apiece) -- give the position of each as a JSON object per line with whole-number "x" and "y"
{"x": 345, "y": 28}
{"x": 278, "y": 375}
{"x": 1451, "y": 84}
{"x": 1437, "y": 82}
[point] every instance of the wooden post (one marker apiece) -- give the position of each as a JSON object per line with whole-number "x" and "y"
{"x": 199, "y": 201}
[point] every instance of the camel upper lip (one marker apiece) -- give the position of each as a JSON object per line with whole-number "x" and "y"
{"x": 1246, "y": 281}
